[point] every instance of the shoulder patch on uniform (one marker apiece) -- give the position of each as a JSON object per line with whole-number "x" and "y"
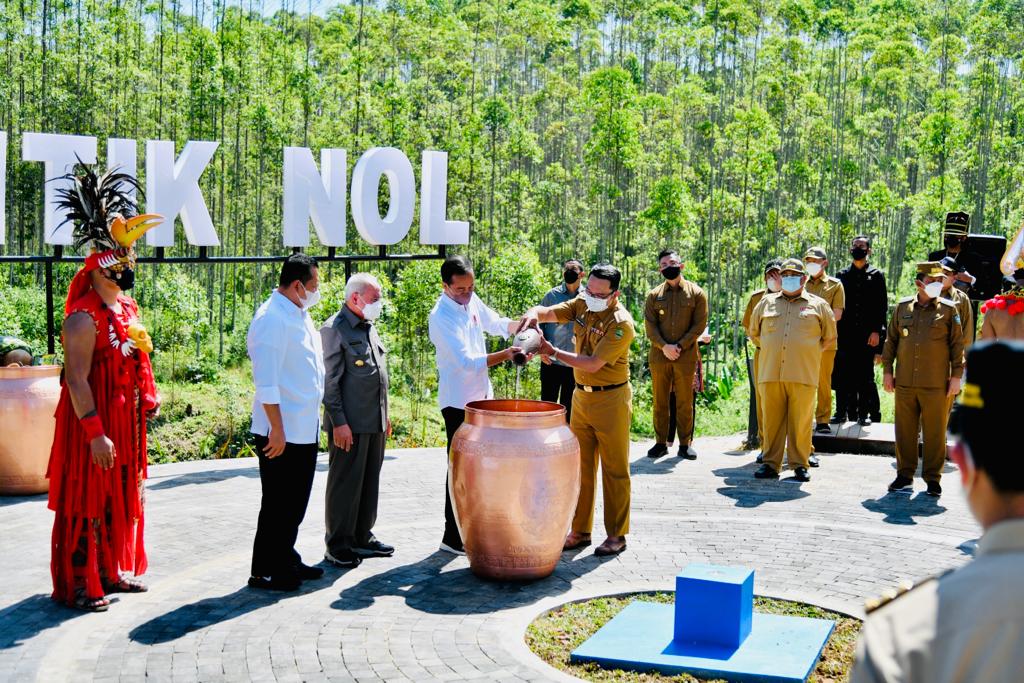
{"x": 902, "y": 589}
{"x": 619, "y": 332}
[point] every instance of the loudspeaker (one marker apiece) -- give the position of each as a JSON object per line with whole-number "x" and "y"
{"x": 985, "y": 252}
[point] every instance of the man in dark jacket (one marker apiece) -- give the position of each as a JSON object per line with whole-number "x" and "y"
{"x": 861, "y": 333}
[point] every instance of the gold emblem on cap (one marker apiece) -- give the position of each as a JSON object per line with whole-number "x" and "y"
{"x": 360, "y": 363}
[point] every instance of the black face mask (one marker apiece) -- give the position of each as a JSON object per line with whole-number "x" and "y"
{"x": 125, "y": 279}
{"x": 671, "y": 273}
{"x": 570, "y": 276}
{"x": 859, "y": 253}
{"x": 951, "y": 242}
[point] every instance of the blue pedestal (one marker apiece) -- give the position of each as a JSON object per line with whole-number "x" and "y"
{"x": 714, "y": 605}
{"x": 711, "y": 632}
{"x": 639, "y": 638}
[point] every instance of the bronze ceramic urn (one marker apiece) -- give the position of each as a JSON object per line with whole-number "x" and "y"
{"x": 28, "y": 399}
{"x": 514, "y": 478}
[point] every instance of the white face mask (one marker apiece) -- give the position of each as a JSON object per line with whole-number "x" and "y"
{"x": 774, "y": 285}
{"x": 933, "y": 290}
{"x": 594, "y": 305}
{"x": 791, "y": 284}
{"x": 372, "y": 311}
{"x": 311, "y": 299}
{"x": 813, "y": 269}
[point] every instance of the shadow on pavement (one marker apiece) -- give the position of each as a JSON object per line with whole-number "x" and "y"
{"x": 748, "y": 492}
{"x": 28, "y": 618}
{"x": 211, "y": 476}
{"x": 902, "y": 508}
{"x": 15, "y": 500}
{"x": 183, "y": 620}
{"x": 427, "y": 587}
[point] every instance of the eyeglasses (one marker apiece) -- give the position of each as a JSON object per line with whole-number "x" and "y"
{"x": 597, "y": 296}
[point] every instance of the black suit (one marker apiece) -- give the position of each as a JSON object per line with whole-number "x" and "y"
{"x": 867, "y": 308}
{"x": 969, "y": 261}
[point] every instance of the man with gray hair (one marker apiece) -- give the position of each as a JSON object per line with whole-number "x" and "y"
{"x": 356, "y": 421}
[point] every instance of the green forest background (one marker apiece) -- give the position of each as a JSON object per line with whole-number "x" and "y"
{"x": 734, "y": 130}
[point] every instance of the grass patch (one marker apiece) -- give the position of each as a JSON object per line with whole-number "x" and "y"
{"x": 553, "y": 636}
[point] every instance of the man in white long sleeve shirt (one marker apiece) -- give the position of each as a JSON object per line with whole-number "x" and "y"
{"x": 457, "y": 325}
{"x": 288, "y": 371}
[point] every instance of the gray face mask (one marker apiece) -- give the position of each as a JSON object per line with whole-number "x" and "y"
{"x": 791, "y": 283}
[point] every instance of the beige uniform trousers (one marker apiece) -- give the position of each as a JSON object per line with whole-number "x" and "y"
{"x": 824, "y": 411}
{"x": 788, "y": 410}
{"x": 923, "y": 409}
{"x": 600, "y": 420}
{"x": 674, "y": 376}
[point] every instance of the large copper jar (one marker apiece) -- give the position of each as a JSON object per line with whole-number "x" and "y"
{"x": 28, "y": 399}
{"x": 514, "y": 477}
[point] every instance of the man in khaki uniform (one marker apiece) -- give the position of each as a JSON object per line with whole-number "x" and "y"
{"x": 830, "y": 289}
{"x": 966, "y": 625}
{"x": 772, "y": 284}
{"x": 675, "y": 315}
{"x": 602, "y": 405}
{"x": 925, "y": 341}
{"x": 963, "y": 307}
{"x": 792, "y": 328}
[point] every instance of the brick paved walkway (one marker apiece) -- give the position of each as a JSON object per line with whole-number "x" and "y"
{"x": 421, "y": 614}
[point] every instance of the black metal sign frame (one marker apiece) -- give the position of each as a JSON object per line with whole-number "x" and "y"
{"x": 58, "y": 256}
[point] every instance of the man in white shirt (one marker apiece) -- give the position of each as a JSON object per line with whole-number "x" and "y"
{"x": 457, "y": 325}
{"x": 288, "y": 371}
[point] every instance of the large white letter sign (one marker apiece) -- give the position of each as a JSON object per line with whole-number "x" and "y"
{"x": 374, "y": 163}
{"x": 172, "y": 188}
{"x": 307, "y": 195}
{"x": 435, "y": 228}
{"x": 59, "y": 154}
{"x": 3, "y": 187}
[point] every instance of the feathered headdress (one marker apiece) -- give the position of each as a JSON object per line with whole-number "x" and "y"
{"x": 106, "y": 219}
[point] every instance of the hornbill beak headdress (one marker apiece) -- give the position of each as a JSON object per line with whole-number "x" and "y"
{"x": 106, "y": 219}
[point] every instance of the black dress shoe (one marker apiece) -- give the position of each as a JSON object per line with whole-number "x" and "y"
{"x": 813, "y": 461}
{"x": 346, "y": 559}
{"x": 657, "y": 450}
{"x": 766, "y": 472}
{"x": 801, "y": 474}
{"x": 687, "y": 452}
{"x": 864, "y": 422}
{"x": 374, "y": 548}
{"x": 286, "y": 583}
{"x": 760, "y": 458}
{"x": 823, "y": 428}
{"x": 901, "y": 484}
{"x": 934, "y": 489}
{"x": 307, "y": 573}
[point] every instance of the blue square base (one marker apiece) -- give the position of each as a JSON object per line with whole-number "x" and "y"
{"x": 779, "y": 649}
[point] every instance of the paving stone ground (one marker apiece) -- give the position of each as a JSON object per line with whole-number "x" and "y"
{"x": 421, "y": 615}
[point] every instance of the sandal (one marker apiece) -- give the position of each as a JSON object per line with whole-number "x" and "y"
{"x": 87, "y": 604}
{"x": 126, "y": 585}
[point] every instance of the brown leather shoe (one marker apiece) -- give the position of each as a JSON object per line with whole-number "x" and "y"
{"x": 576, "y": 540}
{"x": 613, "y": 545}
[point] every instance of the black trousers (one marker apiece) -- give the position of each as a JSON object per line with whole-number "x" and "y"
{"x": 286, "y": 482}
{"x": 353, "y": 487}
{"x": 557, "y": 382}
{"x": 453, "y": 419}
{"x": 854, "y": 380}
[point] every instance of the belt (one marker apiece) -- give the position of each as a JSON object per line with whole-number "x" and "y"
{"x": 606, "y": 387}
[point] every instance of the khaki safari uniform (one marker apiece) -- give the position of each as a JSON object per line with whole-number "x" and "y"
{"x": 674, "y": 315}
{"x": 967, "y": 625}
{"x": 602, "y": 409}
{"x": 791, "y": 334}
{"x": 831, "y": 290}
{"x": 998, "y": 324}
{"x": 755, "y": 299}
{"x": 926, "y": 344}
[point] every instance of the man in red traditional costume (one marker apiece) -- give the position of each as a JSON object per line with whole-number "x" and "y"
{"x": 98, "y": 458}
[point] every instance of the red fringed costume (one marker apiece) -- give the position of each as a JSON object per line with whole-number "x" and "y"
{"x": 98, "y": 527}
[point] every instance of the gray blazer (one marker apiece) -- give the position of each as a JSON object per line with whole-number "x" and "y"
{"x": 356, "y": 387}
